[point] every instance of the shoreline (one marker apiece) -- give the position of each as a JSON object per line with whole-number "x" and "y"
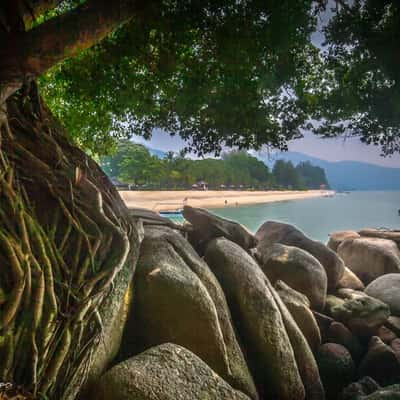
{"x": 172, "y": 200}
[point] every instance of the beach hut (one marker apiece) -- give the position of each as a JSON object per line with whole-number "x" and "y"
{"x": 203, "y": 185}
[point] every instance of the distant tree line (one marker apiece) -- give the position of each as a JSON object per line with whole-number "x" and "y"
{"x": 134, "y": 164}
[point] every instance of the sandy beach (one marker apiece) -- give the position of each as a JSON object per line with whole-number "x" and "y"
{"x": 172, "y": 200}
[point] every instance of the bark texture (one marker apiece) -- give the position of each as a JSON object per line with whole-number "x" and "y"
{"x": 65, "y": 237}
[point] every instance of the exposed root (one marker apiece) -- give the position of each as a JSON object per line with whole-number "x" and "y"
{"x": 59, "y": 265}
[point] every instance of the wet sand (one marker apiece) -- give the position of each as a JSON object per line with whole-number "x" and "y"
{"x": 172, "y": 200}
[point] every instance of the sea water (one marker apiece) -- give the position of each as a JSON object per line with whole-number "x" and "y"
{"x": 317, "y": 217}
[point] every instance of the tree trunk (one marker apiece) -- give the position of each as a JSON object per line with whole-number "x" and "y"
{"x": 67, "y": 253}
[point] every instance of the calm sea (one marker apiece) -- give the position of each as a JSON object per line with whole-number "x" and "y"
{"x": 318, "y": 217}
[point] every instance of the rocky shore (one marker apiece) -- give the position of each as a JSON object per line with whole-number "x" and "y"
{"x": 216, "y": 312}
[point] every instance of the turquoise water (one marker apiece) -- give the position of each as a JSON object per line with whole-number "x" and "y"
{"x": 320, "y": 216}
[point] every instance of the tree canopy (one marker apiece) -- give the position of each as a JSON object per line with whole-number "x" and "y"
{"x": 217, "y": 73}
{"x": 361, "y": 96}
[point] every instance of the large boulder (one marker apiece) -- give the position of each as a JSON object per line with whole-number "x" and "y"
{"x": 276, "y": 232}
{"x": 299, "y": 307}
{"x": 177, "y": 299}
{"x": 361, "y": 313}
{"x": 258, "y": 320}
{"x": 276, "y": 348}
{"x": 382, "y": 233}
{"x": 387, "y": 289}
{"x": 305, "y": 360}
{"x": 207, "y": 226}
{"x": 350, "y": 280}
{"x": 380, "y": 363}
{"x": 165, "y": 372}
{"x": 369, "y": 258}
{"x": 297, "y": 268}
{"x": 336, "y": 368}
{"x": 336, "y": 238}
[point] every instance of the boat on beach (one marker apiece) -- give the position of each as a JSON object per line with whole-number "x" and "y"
{"x": 171, "y": 213}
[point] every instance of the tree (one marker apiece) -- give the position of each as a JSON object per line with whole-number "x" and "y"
{"x": 361, "y": 94}
{"x": 312, "y": 176}
{"x": 286, "y": 175}
{"x": 137, "y": 165}
{"x": 67, "y": 244}
{"x": 214, "y": 72}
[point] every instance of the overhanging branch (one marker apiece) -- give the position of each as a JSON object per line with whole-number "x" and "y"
{"x": 29, "y": 54}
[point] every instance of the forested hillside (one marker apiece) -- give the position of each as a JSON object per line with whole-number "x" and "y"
{"x": 138, "y": 166}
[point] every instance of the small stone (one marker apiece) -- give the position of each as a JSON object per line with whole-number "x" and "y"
{"x": 362, "y": 314}
{"x": 395, "y": 345}
{"x": 393, "y": 323}
{"x": 358, "y": 390}
{"x": 385, "y": 334}
{"x": 336, "y": 368}
{"x": 340, "y": 334}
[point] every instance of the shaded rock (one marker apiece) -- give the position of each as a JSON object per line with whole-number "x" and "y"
{"x": 299, "y": 307}
{"x": 297, "y": 268}
{"x": 258, "y": 320}
{"x": 324, "y": 322}
{"x": 387, "y": 289}
{"x": 362, "y": 314}
{"x": 305, "y": 360}
{"x": 336, "y": 368}
{"x": 350, "y": 280}
{"x": 340, "y": 334}
{"x": 149, "y": 217}
{"x": 276, "y": 232}
{"x": 358, "y": 390}
{"x": 387, "y": 393}
{"x": 395, "y": 345}
{"x": 166, "y": 372}
{"x": 369, "y": 258}
{"x": 385, "y": 334}
{"x": 380, "y": 363}
{"x": 383, "y": 234}
{"x": 178, "y": 299}
{"x": 336, "y": 238}
{"x": 393, "y": 323}
{"x": 207, "y": 226}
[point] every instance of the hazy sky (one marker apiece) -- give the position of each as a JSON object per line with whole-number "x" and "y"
{"x": 328, "y": 149}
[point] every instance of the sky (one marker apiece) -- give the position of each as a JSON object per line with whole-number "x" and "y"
{"x": 338, "y": 149}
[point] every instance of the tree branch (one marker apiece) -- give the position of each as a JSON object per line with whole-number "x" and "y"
{"x": 29, "y": 54}
{"x": 31, "y": 9}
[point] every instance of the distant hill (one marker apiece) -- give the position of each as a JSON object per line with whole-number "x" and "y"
{"x": 156, "y": 152}
{"x": 345, "y": 175}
